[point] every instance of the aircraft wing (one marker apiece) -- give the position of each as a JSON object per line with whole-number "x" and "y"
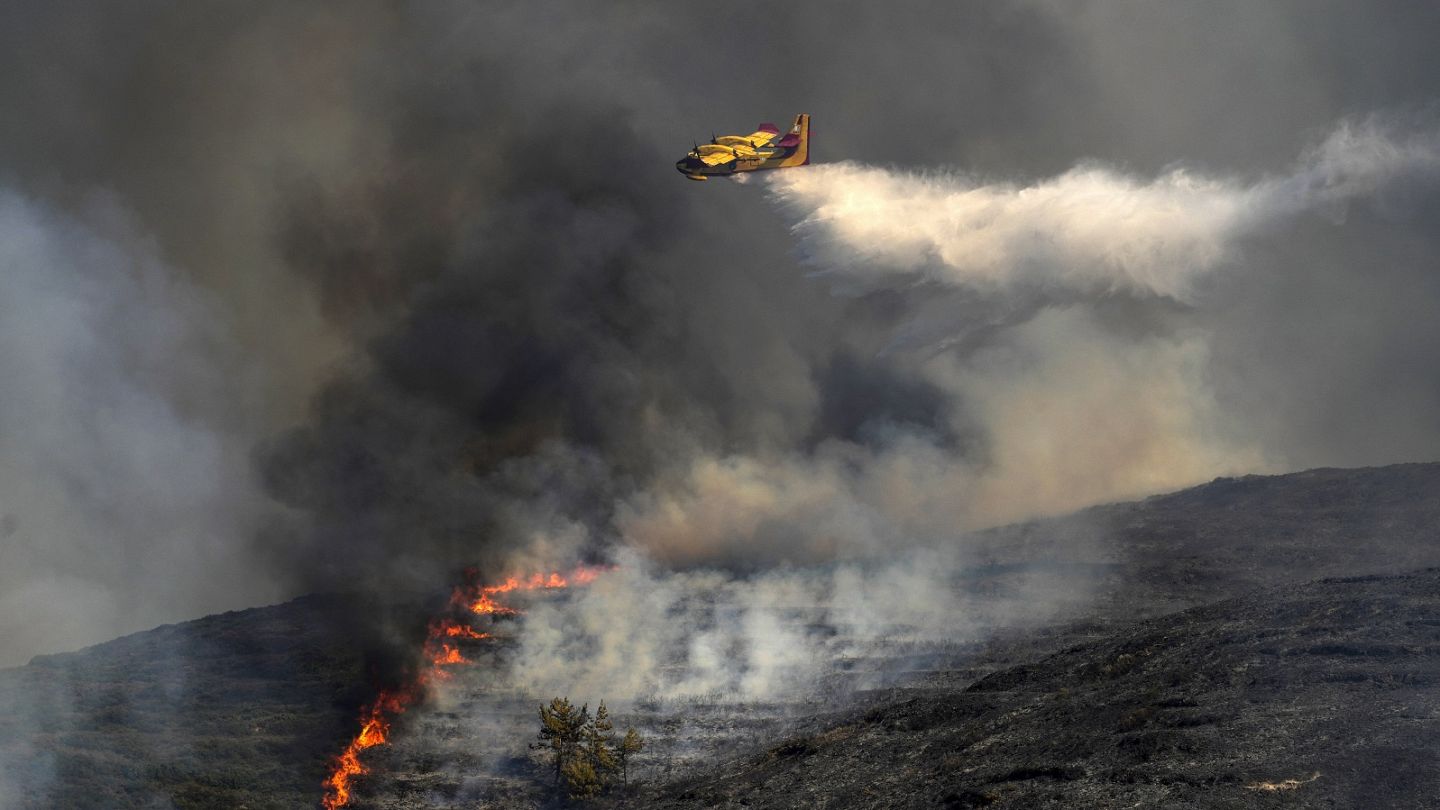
{"x": 713, "y": 155}
{"x": 764, "y": 135}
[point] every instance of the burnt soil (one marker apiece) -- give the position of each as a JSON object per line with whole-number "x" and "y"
{"x": 1320, "y": 695}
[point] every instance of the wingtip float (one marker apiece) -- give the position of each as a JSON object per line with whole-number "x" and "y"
{"x": 765, "y": 148}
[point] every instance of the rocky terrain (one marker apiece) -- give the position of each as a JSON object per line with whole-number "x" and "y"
{"x": 1196, "y": 664}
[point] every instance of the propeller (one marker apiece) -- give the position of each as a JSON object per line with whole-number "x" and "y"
{"x": 714, "y": 139}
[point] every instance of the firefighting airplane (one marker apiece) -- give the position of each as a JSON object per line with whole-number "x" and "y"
{"x": 764, "y": 148}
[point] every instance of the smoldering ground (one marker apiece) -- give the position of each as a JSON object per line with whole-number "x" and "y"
{"x": 460, "y": 310}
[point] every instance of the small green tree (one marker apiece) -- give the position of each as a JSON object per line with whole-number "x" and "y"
{"x": 562, "y": 729}
{"x": 600, "y": 747}
{"x": 581, "y": 779}
{"x": 583, "y": 747}
{"x": 632, "y": 744}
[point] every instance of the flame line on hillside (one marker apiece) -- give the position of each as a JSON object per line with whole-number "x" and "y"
{"x": 438, "y": 653}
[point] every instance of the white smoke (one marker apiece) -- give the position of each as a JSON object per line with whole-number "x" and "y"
{"x": 123, "y": 489}
{"x": 1092, "y": 230}
{"x": 643, "y": 631}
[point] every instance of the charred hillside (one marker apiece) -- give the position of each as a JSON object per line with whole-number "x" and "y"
{"x": 1320, "y": 695}
{"x": 1233, "y": 535}
{"x": 1261, "y": 678}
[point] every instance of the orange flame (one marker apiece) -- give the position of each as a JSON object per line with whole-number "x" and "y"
{"x": 375, "y": 719}
{"x": 448, "y": 655}
{"x": 484, "y": 605}
{"x": 463, "y": 631}
{"x": 481, "y": 601}
{"x": 374, "y": 730}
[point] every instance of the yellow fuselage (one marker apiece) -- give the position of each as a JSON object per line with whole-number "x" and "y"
{"x": 731, "y": 154}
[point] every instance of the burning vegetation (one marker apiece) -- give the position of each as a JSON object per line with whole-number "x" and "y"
{"x": 440, "y": 651}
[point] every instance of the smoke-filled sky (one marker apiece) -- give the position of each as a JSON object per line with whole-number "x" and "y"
{"x": 323, "y": 296}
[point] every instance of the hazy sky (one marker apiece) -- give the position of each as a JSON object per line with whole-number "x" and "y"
{"x": 299, "y": 296}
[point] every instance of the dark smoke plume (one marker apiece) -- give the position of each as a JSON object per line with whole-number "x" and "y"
{"x": 464, "y": 311}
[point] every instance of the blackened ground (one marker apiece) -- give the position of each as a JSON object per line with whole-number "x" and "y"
{"x": 1133, "y": 561}
{"x": 1233, "y": 535}
{"x": 1319, "y": 695}
{"x": 1269, "y": 680}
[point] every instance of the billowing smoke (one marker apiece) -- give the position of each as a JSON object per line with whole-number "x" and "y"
{"x": 1072, "y": 411}
{"x": 1134, "y": 418}
{"x": 121, "y": 440}
{"x": 300, "y": 299}
{"x": 426, "y": 273}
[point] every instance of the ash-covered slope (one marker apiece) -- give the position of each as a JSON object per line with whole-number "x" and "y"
{"x": 244, "y": 709}
{"x": 1320, "y": 695}
{"x": 1232, "y": 535}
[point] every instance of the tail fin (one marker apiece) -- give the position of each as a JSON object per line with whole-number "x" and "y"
{"x": 801, "y": 129}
